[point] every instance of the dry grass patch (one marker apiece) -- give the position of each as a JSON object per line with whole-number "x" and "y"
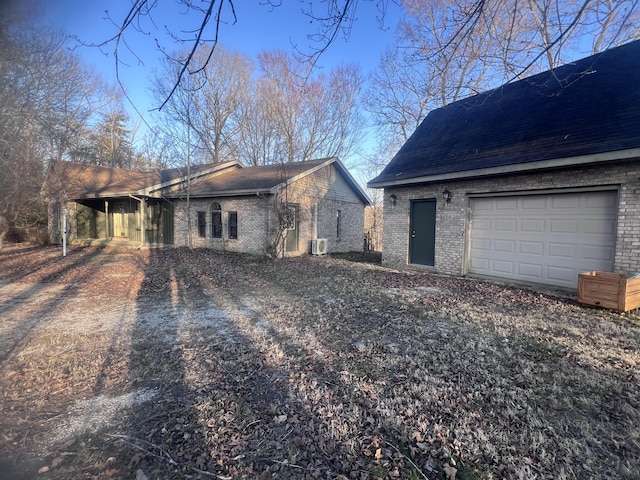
{"x": 192, "y": 364}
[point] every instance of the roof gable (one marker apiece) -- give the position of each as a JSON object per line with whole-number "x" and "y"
{"x": 588, "y": 107}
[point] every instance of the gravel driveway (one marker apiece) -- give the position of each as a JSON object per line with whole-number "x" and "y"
{"x": 173, "y": 363}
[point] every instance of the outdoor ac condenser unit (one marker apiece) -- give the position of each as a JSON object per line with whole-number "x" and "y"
{"x": 319, "y": 246}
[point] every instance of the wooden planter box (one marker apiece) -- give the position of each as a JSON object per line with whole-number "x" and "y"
{"x": 609, "y": 290}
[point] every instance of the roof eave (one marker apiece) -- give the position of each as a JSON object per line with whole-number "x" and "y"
{"x": 225, "y": 193}
{"x": 219, "y": 168}
{"x": 102, "y": 196}
{"x": 514, "y": 168}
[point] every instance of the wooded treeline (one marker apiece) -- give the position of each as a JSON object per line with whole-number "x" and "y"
{"x": 274, "y": 108}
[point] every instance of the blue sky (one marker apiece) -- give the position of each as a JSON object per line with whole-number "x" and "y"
{"x": 258, "y": 27}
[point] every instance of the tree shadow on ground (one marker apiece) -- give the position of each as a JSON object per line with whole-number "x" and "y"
{"x": 219, "y": 380}
{"x": 207, "y": 385}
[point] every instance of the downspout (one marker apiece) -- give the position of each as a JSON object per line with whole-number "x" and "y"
{"x": 315, "y": 221}
{"x": 142, "y": 217}
{"x": 266, "y": 222}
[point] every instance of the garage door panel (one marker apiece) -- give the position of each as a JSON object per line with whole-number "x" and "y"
{"x": 601, "y": 202}
{"x": 533, "y": 202}
{"x": 561, "y": 274}
{"x": 505, "y": 224}
{"x": 482, "y": 225}
{"x": 599, "y": 226}
{"x": 598, "y": 252}
{"x": 531, "y": 248}
{"x": 483, "y": 205}
{"x": 565, "y": 202}
{"x": 564, "y": 226}
{"x": 504, "y": 246}
{"x": 543, "y": 238}
{"x": 531, "y": 270}
{"x": 562, "y": 250}
{"x": 506, "y": 203}
{"x": 501, "y": 266}
{"x": 481, "y": 244}
{"x": 480, "y": 265}
{"x": 532, "y": 226}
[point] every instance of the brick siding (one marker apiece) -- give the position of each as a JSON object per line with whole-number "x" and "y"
{"x": 452, "y": 218}
{"x": 251, "y": 224}
{"x": 258, "y": 217}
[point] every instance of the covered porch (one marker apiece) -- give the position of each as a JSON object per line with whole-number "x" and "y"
{"x": 123, "y": 220}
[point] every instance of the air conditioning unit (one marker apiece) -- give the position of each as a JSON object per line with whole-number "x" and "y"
{"x": 319, "y": 246}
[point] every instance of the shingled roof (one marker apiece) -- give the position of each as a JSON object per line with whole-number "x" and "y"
{"x": 82, "y": 181}
{"x": 252, "y": 180}
{"x": 267, "y": 179}
{"x": 584, "y": 112}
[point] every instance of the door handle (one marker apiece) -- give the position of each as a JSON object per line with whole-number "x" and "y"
{"x": 413, "y": 234}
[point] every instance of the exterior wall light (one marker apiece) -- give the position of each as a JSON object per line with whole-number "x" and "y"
{"x": 394, "y": 199}
{"x": 447, "y": 195}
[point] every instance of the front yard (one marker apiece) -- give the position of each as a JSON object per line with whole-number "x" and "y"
{"x": 145, "y": 364}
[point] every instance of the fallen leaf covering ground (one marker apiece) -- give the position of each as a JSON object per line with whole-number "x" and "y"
{"x": 176, "y": 363}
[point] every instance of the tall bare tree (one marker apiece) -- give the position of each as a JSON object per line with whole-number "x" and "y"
{"x": 259, "y": 141}
{"x": 397, "y": 98}
{"x": 311, "y": 118}
{"x": 216, "y": 104}
{"x": 200, "y": 26}
{"x": 447, "y": 50}
{"x": 272, "y": 116}
{"x": 209, "y": 109}
{"x": 47, "y": 98}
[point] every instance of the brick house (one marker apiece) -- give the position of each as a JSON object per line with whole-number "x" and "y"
{"x": 535, "y": 181}
{"x": 280, "y": 210}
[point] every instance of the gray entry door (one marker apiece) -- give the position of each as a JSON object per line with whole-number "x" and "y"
{"x": 422, "y": 234}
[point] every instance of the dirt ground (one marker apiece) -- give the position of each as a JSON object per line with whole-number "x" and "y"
{"x": 155, "y": 364}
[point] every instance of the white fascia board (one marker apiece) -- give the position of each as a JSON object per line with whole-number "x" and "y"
{"x": 516, "y": 168}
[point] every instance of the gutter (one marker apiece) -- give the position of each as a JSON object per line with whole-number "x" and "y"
{"x": 228, "y": 193}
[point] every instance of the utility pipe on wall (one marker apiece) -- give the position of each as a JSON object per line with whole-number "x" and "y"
{"x": 315, "y": 221}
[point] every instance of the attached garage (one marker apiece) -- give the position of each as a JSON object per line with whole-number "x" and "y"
{"x": 535, "y": 181}
{"x": 543, "y": 238}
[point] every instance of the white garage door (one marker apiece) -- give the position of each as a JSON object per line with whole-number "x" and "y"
{"x": 546, "y": 239}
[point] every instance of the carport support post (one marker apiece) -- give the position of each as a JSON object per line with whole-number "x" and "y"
{"x": 141, "y": 218}
{"x": 64, "y": 232}
{"x": 143, "y": 227}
